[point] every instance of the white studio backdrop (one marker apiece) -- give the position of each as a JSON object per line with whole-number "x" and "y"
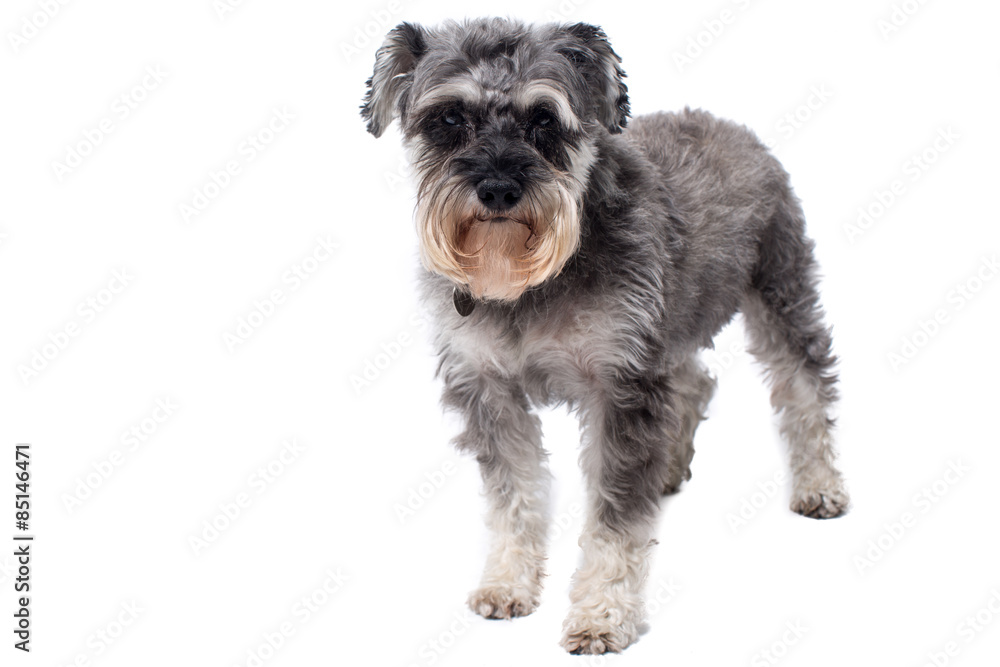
{"x": 212, "y": 342}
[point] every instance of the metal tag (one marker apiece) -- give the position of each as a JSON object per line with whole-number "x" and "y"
{"x": 464, "y": 302}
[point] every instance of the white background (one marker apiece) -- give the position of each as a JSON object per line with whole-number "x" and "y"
{"x": 366, "y": 449}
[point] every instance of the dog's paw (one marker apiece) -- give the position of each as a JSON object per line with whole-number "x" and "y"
{"x": 820, "y": 503}
{"x": 499, "y": 601}
{"x": 588, "y": 642}
{"x": 584, "y": 635}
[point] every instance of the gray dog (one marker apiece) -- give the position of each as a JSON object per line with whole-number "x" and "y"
{"x": 570, "y": 260}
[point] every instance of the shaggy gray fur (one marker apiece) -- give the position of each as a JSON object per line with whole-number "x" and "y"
{"x": 685, "y": 220}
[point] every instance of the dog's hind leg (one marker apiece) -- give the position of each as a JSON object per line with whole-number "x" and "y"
{"x": 784, "y": 322}
{"x": 506, "y": 439}
{"x": 693, "y": 389}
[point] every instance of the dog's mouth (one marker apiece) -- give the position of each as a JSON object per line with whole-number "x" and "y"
{"x": 500, "y": 219}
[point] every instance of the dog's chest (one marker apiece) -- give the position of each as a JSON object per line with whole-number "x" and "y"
{"x": 558, "y": 358}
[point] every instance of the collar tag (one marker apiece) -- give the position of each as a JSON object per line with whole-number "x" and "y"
{"x": 464, "y": 302}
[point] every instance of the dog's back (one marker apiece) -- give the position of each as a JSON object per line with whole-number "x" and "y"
{"x": 727, "y": 191}
{"x": 721, "y": 178}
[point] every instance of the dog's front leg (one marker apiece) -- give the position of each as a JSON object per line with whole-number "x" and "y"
{"x": 625, "y": 460}
{"x": 507, "y": 441}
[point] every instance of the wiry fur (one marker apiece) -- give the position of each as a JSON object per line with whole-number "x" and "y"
{"x": 626, "y": 254}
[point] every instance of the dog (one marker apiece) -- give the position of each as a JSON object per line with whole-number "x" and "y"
{"x": 572, "y": 260}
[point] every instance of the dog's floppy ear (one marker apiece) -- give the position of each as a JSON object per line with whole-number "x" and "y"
{"x": 589, "y": 50}
{"x": 394, "y": 64}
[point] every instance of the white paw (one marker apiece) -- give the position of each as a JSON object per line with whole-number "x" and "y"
{"x": 588, "y": 633}
{"x": 820, "y": 503}
{"x": 502, "y": 601}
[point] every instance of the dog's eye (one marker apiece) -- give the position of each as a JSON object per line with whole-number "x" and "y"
{"x": 453, "y": 118}
{"x": 543, "y": 118}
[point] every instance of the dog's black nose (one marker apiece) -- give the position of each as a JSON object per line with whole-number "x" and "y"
{"x": 498, "y": 193}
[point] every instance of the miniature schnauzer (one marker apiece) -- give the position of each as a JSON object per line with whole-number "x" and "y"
{"x": 569, "y": 260}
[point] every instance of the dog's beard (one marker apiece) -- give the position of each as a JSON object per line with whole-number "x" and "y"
{"x": 498, "y": 255}
{"x": 493, "y": 253}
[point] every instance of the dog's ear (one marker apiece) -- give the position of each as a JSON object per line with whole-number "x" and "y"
{"x": 394, "y": 64}
{"x": 589, "y": 50}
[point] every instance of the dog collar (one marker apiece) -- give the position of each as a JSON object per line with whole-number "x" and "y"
{"x": 464, "y": 302}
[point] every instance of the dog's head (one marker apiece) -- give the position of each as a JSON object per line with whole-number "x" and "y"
{"x": 500, "y": 119}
